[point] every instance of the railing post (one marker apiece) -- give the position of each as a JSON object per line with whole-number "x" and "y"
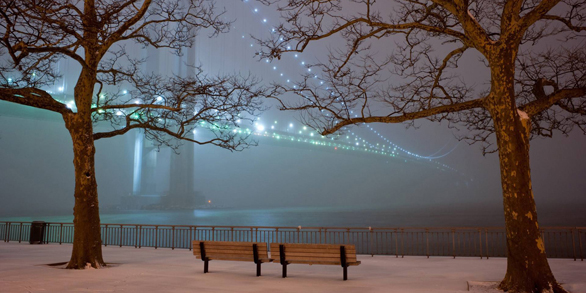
{"x": 298, "y": 231}
{"x": 173, "y": 237}
{"x": 480, "y": 242}
{"x": 136, "y": 236}
{"x": 402, "y": 243}
{"x": 46, "y": 233}
{"x": 580, "y": 242}
{"x": 348, "y": 235}
{"x": 20, "y": 233}
{"x": 60, "y": 233}
{"x": 486, "y": 240}
{"x": 106, "y": 236}
{"x": 7, "y": 238}
{"x": 573, "y": 244}
{"x": 396, "y": 245}
{"x": 140, "y": 236}
{"x": 427, "y": 241}
{"x": 277, "y": 235}
{"x": 214, "y": 234}
{"x": 454, "y": 243}
{"x": 121, "y": 230}
{"x": 156, "y": 236}
{"x": 190, "y": 239}
{"x": 370, "y": 242}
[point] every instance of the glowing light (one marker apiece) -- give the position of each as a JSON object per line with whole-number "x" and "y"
{"x": 290, "y": 124}
{"x": 60, "y": 89}
{"x": 124, "y": 92}
{"x": 260, "y": 127}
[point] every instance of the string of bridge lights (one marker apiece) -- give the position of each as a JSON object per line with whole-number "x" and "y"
{"x": 389, "y": 147}
{"x": 353, "y": 142}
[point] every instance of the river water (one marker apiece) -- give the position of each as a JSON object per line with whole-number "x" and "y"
{"x": 322, "y": 217}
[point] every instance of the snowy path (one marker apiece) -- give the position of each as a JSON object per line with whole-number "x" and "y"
{"x": 22, "y": 269}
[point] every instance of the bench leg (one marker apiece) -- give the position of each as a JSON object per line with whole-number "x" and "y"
{"x": 258, "y": 269}
{"x": 345, "y": 273}
{"x": 205, "y": 266}
{"x": 284, "y": 271}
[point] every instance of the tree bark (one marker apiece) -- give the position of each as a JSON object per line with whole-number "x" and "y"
{"x": 87, "y": 241}
{"x": 527, "y": 266}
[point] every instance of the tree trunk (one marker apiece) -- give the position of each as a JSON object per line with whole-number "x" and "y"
{"x": 527, "y": 266}
{"x": 87, "y": 243}
{"x": 87, "y": 240}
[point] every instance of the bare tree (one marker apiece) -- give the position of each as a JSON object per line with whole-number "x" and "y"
{"x": 94, "y": 34}
{"x": 531, "y": 91}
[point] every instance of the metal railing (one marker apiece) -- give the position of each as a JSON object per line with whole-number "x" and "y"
{"x": 482, "y": 242}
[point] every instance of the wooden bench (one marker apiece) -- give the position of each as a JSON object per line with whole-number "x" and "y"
{"x": 236, "y": 251}
{"x": 314, "y": 254}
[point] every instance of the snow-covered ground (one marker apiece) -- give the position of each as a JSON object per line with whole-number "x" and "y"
{"x": 23, "y": 269}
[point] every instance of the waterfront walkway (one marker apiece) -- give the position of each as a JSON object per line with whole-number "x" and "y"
{"x": 23, "y": 269}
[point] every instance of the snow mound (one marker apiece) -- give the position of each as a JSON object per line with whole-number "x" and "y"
{"x": 484, "y": 287}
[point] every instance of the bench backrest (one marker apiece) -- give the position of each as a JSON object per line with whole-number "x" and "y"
{"x": 225, "y": 250}
{"x": 313, "y": 252}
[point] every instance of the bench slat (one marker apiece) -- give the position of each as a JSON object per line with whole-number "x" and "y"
{"x": 230, "y": 257}
{"x": 289, "y": 252}
{"x": 314, "y": 262}
{"x": 208, "y": 253}
{"x": 230, "y": 243}
{"x": 211, "y": 248}
{"x": 243, "y": 249}
{"x": 317, "y": 246}
{"x": 313, "y": 250}
{"x": 304, "y": 257}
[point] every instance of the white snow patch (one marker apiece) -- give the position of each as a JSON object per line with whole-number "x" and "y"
{"x": 471, "y": 16}
{"x": 522, "y": 115}
{"x": 484, "y": 287}
{"x": 166, "y": 270}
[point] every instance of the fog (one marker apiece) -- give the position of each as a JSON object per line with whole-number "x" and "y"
{"x": 36, "y": 170}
